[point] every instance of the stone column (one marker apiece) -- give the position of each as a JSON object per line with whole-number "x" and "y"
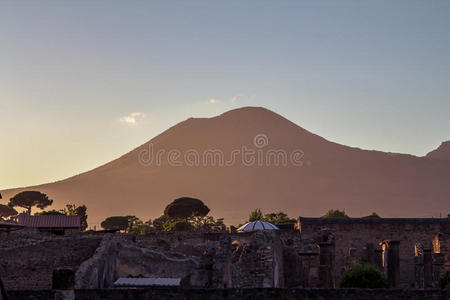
{"x": 326, "y": 265}
{"x": 427, "y": 268}
{"x": 379, "y": 259}
{"x": 63, "y": 282}
{"x": 418, "y": 269}
{"x": 370, "y": 251}
{"x": 393, "y": 263}
{"x": 438, "y": 267}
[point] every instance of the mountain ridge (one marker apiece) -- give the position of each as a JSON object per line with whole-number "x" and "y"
{"x": 332, "y": 175}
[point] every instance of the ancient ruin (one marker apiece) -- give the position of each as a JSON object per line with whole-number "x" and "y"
{"x": 312, "y": 254}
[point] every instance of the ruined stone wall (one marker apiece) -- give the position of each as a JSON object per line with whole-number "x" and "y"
{"x": 231, "y": 294}
{"x": 31, "y": 266}
{"x": 259, "y": 261}
{"x": 354, "y": 239}
{"x": 23, "y": 237}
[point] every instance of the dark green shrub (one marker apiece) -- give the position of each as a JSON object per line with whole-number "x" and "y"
{"x": 363, "y": 276}
{"x": 444, "y": 280}
{"x": 177, "y": 225}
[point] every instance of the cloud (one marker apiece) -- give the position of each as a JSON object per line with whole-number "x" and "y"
{"x": 236, "y": 98}
{"x": 131, "y": 118}
{"x": 213, "y": 101}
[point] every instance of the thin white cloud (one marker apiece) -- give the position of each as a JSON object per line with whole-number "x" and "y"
{"x": 213, "y": 101}
{"x": 131, "y": 118}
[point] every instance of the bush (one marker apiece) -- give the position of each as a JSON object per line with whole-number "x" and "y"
{"x": 363, "y": 276}
{"x": 178, "y": 225}
{"x": 444, "y": 280}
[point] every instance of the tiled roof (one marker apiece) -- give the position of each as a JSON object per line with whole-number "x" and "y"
{"x": 137, "y": 282}
{"x": 49, "y": 221}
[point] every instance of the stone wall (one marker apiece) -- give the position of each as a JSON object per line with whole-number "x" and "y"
{"x": 231, "y": 294}
{"x": 355, "y": 239}
{"x": 31, "y": 266}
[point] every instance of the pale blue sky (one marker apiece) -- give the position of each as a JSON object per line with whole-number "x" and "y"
{"x": 370, "y": 74}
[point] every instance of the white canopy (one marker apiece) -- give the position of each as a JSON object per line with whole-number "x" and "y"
{"x": 257, "y": 225}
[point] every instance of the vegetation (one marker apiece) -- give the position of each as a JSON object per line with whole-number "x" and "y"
{"x": 335, "y": 213}
{"x": 29, "y": 199}
{"x": 158, "y": 223}
{"x": 183, "y": 214}
{"x": 73, "y": 210}
{"x": 255, "y": 215}
{"x": 178, "y": 225}
{"x": 363, "y": 276}
{"x": 52, "y": 212}
{"x": 444, "y": 280}
{"x": 372, "y": 215}
{"x": 6, "y": 212}
{"x": 69, "y": 210}
{"x": 185, "y": 207}
{"x": 278, "y": 218}
{"x": 274, "y": 218}
{"x": 116, "y": 223}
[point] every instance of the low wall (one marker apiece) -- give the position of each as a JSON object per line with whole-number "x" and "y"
{"x": 230, "y": 294}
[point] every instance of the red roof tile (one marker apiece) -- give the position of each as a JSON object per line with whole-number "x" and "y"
{"x": 49, "y": 221}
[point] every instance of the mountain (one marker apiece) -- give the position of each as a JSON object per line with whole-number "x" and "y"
{"x": 318, "y": 174}
{"x": 442, "y": 152}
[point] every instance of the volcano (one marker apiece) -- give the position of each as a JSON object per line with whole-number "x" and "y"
{"x": 251, "y": 158}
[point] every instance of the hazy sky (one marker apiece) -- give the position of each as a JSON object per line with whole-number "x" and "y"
{"x": 83, "y": 82}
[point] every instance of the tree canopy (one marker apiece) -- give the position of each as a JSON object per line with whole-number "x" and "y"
{"x": 52, "y": 212}
{"x": 255, "y": 215}
{"x": 186, "y": 207}
{"x": 116, "y": 223}
{"x": 73, "y": 210}
{"x": 274, "y": 218}
{"x": 335, "y": 213}
{"x": 6, "y": 211}
{"x": 29, "y": 199}
{"x": 278, "y": 218}
{"x": 372, "y": 215}
{"x": 69, "y": 210}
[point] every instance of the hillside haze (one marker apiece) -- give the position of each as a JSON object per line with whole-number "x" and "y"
{"x": 318, "y": 174}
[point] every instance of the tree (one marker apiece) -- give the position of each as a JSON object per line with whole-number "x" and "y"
{"x": 335, "y": 213}
{"x": 125, "y": 223}
{"x": 69, "y": 210}
{"x": 28, "y": 199}
{"x": 363, "y": 276}
{"x": 186, "y": 207}
{"x": 372, "y": 215}
{"x": 158, "y": 223}
{"x": 255, "y": 215}
{"x": 278, "y": 218}
{"x": 73, "y": 210}
{"x": 115, "y": 223}
{"x": 207, "y": 223}
{"x": 52, "y": 212}
{"x": 6, "y": 211}
{"x": 178, "y": 225}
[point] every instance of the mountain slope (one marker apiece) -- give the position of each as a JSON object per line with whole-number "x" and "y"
{"x": 442, "y": 152}
{"x": 328, "y": 175}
